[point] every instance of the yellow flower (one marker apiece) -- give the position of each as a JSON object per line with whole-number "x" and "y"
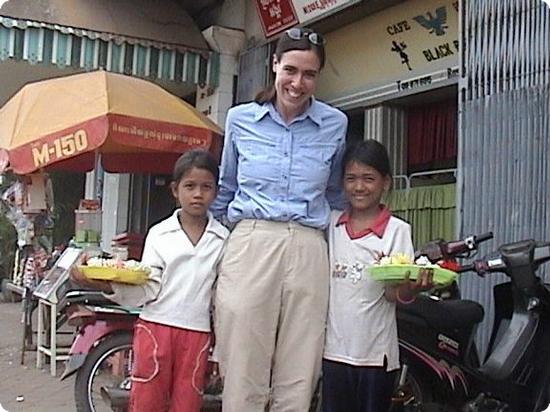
{"x": 401, "y": 259}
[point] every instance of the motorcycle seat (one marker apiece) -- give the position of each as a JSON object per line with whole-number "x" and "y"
{"x": 87, "y": 297}
{"x": 443, "y": 314}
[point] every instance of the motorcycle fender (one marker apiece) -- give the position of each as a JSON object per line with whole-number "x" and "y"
{"x": 88, "y": 337}
{"x": 72, "y": 365}
{"x": 450, "y": 375}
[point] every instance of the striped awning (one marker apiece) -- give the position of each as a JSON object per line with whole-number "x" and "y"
{"x": 45, "y": 43}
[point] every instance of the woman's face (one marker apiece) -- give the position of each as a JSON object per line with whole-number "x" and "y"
{"x": 296, "y": 75}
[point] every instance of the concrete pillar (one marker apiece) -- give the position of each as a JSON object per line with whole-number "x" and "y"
{"x": 115, "y": 203}
{"x": 215, "y": 102}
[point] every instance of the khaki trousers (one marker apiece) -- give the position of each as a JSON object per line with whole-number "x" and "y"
{"x": 271, "y": 307}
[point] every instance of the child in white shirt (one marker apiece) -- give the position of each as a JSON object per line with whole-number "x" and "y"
{"x": 172, "y": 335}
{"x": 361, "y": 353}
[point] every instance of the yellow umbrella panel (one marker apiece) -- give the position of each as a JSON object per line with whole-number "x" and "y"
{"x": 136, "y": 125}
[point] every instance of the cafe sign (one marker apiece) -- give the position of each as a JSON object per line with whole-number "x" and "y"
{"x": 413, "y": 45}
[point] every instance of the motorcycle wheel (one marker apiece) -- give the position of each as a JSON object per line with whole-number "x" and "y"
{"x": 415, "y": 393}
{"x": 108, "y": 365}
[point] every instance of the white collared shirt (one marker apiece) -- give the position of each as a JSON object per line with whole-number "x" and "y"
{"x": 361, "y": 324}
{"x": 179, "y": 290}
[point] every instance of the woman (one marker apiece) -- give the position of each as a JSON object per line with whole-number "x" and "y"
{"x": 280, "y": 175}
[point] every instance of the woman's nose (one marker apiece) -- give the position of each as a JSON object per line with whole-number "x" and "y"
{"x": 297, "y": 80}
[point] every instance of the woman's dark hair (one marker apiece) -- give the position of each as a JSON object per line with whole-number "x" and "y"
{"x": 370, "y": 153}
{"x": 199, "y": 158}
{"x": 285, "y": 44}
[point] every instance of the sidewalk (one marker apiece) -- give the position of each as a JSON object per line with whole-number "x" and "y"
{"x": 40, "y": 391}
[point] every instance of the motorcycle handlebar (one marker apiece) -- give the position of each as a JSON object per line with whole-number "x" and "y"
{"x": 441, "y": 250}
{"x": 495, "y": 263}
{"x": 483, "y": 237}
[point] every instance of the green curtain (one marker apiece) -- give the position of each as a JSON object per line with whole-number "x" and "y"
{"x": 430, "y": 210}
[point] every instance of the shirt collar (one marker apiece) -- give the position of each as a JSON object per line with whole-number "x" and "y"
{"x": 213, "y": 226}
{"x": 261, "y": 111}
{"x": 313, "y": 112}
{"x": 378, "y": 226}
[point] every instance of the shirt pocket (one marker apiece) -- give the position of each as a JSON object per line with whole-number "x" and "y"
{"x": 313, "y": 163}
{"x": 258, "y": 161}
{"x": 251, "y": 148}
{"x": 319, "y": 151}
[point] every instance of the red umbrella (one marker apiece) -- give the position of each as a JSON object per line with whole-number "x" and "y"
{"x": 134, "y": 125}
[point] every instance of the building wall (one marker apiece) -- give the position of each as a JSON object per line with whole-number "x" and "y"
{"x": 504, "y": 141}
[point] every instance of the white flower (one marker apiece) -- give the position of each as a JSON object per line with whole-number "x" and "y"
{"x": 385, "y": 260}
{"x": 423, "y": 261}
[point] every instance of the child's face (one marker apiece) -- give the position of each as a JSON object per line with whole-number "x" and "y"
{"x": 195, "y": 192}
{"x": 364, "y": 186}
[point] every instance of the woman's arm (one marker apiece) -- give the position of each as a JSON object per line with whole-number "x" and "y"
{"x": 334, "y": 193}
{"x": 227, "y": 185}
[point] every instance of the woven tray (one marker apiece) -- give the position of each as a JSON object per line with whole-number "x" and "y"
{"x": 120, "y": 275}
{"x": 396, "y": 272}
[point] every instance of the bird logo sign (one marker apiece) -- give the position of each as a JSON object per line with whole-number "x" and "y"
{"x": 434, "y": 24}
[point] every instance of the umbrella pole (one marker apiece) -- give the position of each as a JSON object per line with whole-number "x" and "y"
{"x": 94, "y": 180}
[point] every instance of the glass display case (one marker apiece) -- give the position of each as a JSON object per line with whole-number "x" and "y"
{"x": 55, "y": 284}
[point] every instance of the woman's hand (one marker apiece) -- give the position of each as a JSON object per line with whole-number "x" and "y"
{"x": 78, "y": 277}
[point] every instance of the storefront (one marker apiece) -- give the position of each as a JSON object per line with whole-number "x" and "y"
{"x": 396, "y": 78}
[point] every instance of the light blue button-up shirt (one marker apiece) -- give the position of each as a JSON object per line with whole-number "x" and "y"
{"x": 282, "y": 172}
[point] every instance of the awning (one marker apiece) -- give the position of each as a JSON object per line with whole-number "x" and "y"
{"x": 129, "y": 37}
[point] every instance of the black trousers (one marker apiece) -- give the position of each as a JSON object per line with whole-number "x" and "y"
{"x": 348, "y": 388}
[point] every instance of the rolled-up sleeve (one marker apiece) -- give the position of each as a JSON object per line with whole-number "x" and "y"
{"x": 335, "y": 193}
{"x": 228, "y": 174}
{"x": 138, "y": 295}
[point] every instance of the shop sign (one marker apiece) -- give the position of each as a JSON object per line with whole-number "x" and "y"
{"x": 309, "y": 10}
{"x": 407, "y": 44}
{"x": 60, "y": 148}
{"x": 276, "y": 15}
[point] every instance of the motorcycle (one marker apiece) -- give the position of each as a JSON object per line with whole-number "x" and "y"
{"x": 101, "y": 354}
{"x": 441, "y": 369}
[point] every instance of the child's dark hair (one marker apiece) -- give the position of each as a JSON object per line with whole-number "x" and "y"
{"x": 199, "y": 158}
{"x": 371, "y": 153}
{"x": 285, "y": 44}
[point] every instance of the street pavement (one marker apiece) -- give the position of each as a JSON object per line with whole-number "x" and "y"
{"x": 23, "y": 387}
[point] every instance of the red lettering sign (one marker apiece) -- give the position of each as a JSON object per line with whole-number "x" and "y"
{"x": 276, "y": 15}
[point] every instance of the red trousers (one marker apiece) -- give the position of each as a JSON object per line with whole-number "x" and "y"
{"x": 169, "y": 368}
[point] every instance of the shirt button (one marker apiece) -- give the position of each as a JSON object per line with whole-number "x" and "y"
{"x": 285, "y": 177}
